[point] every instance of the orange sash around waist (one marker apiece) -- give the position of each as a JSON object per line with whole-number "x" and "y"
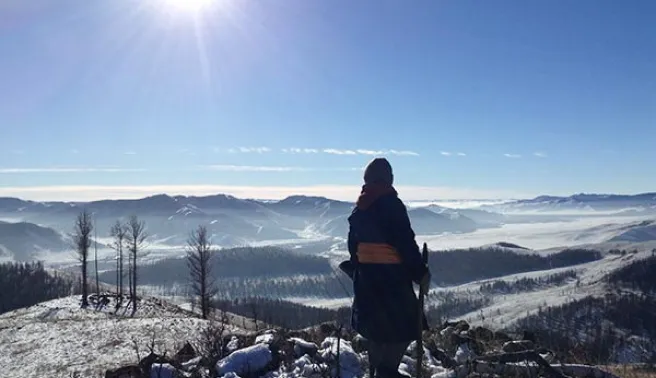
{"x": 377, "y": 253}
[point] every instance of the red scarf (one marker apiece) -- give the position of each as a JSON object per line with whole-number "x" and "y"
{"x": 371, "y": 192}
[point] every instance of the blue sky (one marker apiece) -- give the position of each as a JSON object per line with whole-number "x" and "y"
{"x": 468, "y": 99}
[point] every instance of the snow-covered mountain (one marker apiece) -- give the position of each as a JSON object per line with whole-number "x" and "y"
{"x": 482, "y": 218}
{"x": 22, "y": 241}
{"x": 644, "y": 203}
{"x": 231, "y": 221}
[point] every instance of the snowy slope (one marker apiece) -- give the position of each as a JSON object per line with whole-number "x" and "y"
{"x": 505, "y": 309}
{"x": 508, "y": 308}
{"x": 644, "y": 231}
{"x": 56, "y": 338}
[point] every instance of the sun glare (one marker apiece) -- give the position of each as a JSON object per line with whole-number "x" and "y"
{"x": 192, "y": 6}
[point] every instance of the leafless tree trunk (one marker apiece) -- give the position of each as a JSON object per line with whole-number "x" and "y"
{"x": 136, "y": 236}
{"x": 254, "y": 313}
{"x": 95, "y": 253}
{"x": 119, "y": 233}
{"x": 82, "y": 240}
{"x": 199, "y": 261}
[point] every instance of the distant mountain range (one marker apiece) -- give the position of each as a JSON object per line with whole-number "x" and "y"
{"x": 638, "y": 204}
{"x": 234, "y": 221}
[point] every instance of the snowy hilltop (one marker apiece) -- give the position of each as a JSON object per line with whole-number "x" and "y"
{"x": 58, "y": 338}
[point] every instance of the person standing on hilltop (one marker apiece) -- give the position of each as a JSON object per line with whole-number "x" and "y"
{"x": 384, "y": 262}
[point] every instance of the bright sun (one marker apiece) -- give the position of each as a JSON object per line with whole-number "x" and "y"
{"x": 188, "y": 5}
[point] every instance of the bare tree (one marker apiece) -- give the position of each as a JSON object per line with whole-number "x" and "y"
{"x": 136, "y": 237}
{"x": 199, "y": 260}
{"x": 82, "y": 240}
{"x": 119, "y": 233}
{"x": 210, "y": 343}
{"x": 95, "y": 254}
{"x": 254, "y": 312}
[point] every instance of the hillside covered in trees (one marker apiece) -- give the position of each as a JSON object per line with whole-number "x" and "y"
{"x": 460, "y": 266}
{"x": 275, "y": 272}
{"x": 617, "y": 327}
{"x": 26, "y": 284}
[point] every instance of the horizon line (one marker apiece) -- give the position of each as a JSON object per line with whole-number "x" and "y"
{"x": 343, "y": 193}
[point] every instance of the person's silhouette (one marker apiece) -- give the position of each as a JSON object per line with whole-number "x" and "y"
{"x": 384, "y": 262}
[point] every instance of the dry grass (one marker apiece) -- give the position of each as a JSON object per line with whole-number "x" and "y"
{"x": 632, "y": 371}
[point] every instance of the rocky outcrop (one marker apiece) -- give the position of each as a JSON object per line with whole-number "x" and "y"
{"x": 455, "y": 349}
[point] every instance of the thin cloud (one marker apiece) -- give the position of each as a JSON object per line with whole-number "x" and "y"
{"x": 540, "y": 154}
{"x": 338, "y": 192}
{"x": 68, "y": 170}
{"x": 402, "y": 153}
{"x": 512, "y": 156}
{"x": 258, "y": 150}
{"x": 75, "y": 151}
{"x": 251, "y": 168}
{"x": 335, "y": 151}
{"x": 300, "y": 150}
{"x": 370, "y": 152}
{"x": 242, "y": 150}
{"x": 349, "y": 152}
{"x": 445, "y": 153}
{"x": 461, "y": 154}
{"x": 129, "y": 153}
{"x": 268, "y": 168}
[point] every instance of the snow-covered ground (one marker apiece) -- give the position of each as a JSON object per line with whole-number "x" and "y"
{"x": 56, "y": 338}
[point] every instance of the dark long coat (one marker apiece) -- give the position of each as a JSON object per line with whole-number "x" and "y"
{"x": 385, "y": 308}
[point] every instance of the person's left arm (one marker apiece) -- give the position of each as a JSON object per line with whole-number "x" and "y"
{"x": 403, "y": 239}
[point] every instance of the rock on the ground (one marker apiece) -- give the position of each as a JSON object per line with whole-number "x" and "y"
{"x": 233, "y": 344}
{"x": 268, "y": 337}
{"x": 464, "y": 354}
{"x": 306, "y": 367}
{"x": 246, "y": 361}
{"x": 349, "y": 361}
{"x": 518, "y": 346}
{"x": 192, "y": 364}
{"x": 302, "y": 347}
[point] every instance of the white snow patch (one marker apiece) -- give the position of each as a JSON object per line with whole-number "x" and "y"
{"x": 350, "y": 366}
{"x": 246, "y": 361}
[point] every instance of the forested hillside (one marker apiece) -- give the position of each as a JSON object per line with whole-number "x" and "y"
{"x": 460, "y": 266}
{"x": 26, "y": 284}
{"x": 284, "y": 314}
{"x": 234, "y": 263}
